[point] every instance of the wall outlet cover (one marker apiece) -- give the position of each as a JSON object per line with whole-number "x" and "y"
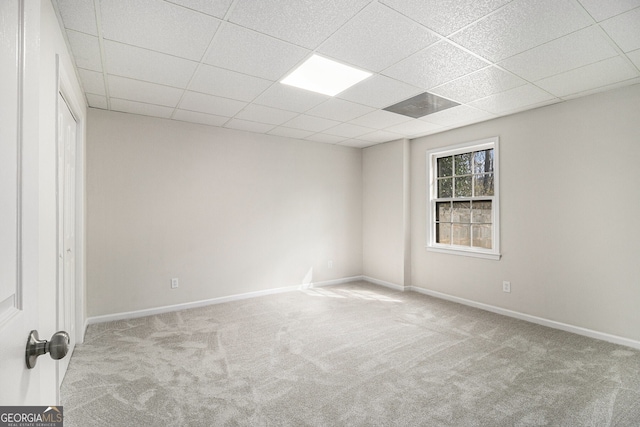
{"x": 506, "y": 286}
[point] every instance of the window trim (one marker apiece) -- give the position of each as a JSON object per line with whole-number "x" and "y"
{"x": 432, "y": 156}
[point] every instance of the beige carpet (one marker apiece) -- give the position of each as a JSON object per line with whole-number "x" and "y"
{"x": 354, "y": 354}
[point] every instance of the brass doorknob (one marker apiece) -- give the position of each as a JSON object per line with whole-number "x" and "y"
{"x": 57, "y": 347}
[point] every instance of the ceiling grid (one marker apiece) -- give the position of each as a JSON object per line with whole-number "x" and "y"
{"x": 220, "y": 62}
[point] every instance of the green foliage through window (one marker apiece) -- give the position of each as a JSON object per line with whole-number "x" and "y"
{"x": 466, "y": 175}
{"x": 463, "y": 217}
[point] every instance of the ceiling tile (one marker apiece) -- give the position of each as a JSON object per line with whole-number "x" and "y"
{"x": 339, "y": 109}
{"x": 625, "y": 30}
{"x": 380, "y": 119}
{"x": 513, "y": 99}
{"x": 462, "y": 114}
{"x": 310, "y": 123}
{"x": 97, "y": 101}
{"x": 248, "y": 126}
{"x": 92, "y": 82}
{"x": 324, "y": 138}
{"x": 303, "y": 22}
{"x": 290, "y": 133}
{"x": 228, "y": 84}
{"x": 86, "y": 50}
{"x": 372, "y": 39}
{"x": 635, "y": 57}
{"x": 379, "y": 91}
{"x": 217, "y": 8}
{"x": 614, "y": 86}
{"x": 248, "y": 52}
{"x": 414, "y": 127}
{"x": 290, "y": 98}
{"x": 601, "y": 10}
{"x": 348, "y": 130}
{"x": 259, "y": 113}
{"x": 202, "y": 118}
{"x": 150, "y": 93}
{"x": 140, "y": 108}
{"x": 357, "y": 143}
{"x": 159, "y": 26}
{"x": 592, "y": 76}
{"x": 435, "y": 65}
{"x": 78, "y": 15}
{"x": 142, "y": 64}
{"x": 566, "y": 53}
{"x": 232, "y": 78}
{"x": 445, "y": 16}
{"x": 521, "y": 25}
{"x": 478, "y": 85}
{"x": 210, "y": 104}
{"x": 380, "y": 136}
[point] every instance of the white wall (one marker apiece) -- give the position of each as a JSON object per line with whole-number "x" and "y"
{"x": 383, "y": 213}
{"x": 226, "y": 212}
{"x": 52, "y": 44}
{"x": 570, "y": 204}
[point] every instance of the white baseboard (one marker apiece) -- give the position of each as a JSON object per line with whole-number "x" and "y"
{"x": 533, "y": 319}
{"x": 184, "y": 306}
{"x": 385, "y": 284}
{"x": 335, "y": 282}
{"x": 84, "y": 329}
{"x": 505, "y": 312}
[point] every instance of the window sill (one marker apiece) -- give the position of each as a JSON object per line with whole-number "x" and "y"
{"x": 463, "y": 252}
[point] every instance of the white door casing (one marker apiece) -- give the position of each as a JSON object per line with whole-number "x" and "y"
{"x": 66, "y": 188}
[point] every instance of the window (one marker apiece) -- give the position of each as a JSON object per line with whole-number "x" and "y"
{"x": 463, "y": 211}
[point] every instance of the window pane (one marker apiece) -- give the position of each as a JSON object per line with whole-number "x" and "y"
{"x": 463, "y": 199}
{"x": 483, "y": 185}
{"x": 461, "y": 212}
{"x": 482, "y": 236}
{"x": 481, "y": 211}
{"x": 478, "y": 161}
{"x": 443, "y": 212}
{"x": 443, "y": 233}
{"x": 445, "y": 187}
{"x": 445, "y": 166}
{"x": 461, "y": 234}
{"x": 463, "y": 163}
{"x": 483, "y": 161}
{"x": 463, "y": 186}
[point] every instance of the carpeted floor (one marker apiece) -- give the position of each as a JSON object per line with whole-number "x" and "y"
{"x": 354, "y": 354}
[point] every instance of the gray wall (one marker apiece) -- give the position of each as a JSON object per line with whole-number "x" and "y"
{"x": 385, "y": 213}
{"x": 230, "y": 212}
{"x": 570, "y": 204}
{"x": 226, "y": 212}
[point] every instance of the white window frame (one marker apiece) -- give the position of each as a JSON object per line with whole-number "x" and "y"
{"x": 432, "y": 192}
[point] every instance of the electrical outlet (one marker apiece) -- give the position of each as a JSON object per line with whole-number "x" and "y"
{"x": 174, "y": 283}
{"x": 506, "y": 286}
{"x": 330, "y": 264}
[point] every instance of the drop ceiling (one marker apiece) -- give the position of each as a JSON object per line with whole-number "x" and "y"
{"x": 219, "y": 62}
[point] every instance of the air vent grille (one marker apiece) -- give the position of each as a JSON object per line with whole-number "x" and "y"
{"x": 421, "y": 105}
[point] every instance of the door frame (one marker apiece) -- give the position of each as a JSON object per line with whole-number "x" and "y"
{"x": 65, "y": 89}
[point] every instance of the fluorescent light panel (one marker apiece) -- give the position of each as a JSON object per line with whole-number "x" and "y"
{"x": 325, "y": 76}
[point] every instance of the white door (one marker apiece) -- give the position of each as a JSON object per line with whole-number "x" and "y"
{"x": 66, "y": 228}
{"x": 18, "y": 208}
